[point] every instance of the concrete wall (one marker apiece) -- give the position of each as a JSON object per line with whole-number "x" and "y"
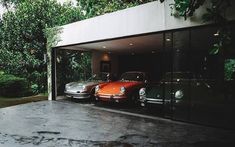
{"x": 126, "y": 22}
{"x": 146, "y": 18}
{"x": 97, "y": 57}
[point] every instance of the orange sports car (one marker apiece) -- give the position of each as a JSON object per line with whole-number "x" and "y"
{"x": 125, "y": 89}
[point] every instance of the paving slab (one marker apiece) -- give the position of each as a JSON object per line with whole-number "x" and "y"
{"x": 60, "y": 124}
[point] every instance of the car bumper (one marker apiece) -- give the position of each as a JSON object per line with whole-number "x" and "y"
{"x": 151, "y": 101}
{"x": 112, "y": 98}
{"x": 77, "y": 95}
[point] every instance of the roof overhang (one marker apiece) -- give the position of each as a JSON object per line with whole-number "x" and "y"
{"x": 114, "y": 30}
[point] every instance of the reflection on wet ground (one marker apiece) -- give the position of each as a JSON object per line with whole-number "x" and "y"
{"x": 61, "y": 124}
{"x": 126, "y": 107}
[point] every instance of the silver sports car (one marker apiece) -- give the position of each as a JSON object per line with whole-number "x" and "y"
{"x": 85, "y": 89}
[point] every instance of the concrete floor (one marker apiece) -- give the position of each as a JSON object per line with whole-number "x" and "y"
{"x": 62, "y": 124}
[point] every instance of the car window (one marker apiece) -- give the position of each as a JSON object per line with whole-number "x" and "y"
{"x": 132, "y": 77}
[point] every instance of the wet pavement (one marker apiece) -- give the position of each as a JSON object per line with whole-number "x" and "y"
{"x": 67, "y": 124}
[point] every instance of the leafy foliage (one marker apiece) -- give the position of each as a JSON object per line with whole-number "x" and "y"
{"x": 23, "y": 41}
{"x": 229, "y": 69}
{"x": 216, "y": 13}
{"x": 91, "y": 8}
{"x": 79, "y": 64}
{"x": 13, "y": 86}
{"x": 186, "y": 8}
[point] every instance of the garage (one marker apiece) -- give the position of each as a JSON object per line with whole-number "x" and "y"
{"x": 158, "y": 45}
{"x": 127, "y": 54}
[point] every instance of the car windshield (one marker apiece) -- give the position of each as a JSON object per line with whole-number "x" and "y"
{"x": 132, "y": 77}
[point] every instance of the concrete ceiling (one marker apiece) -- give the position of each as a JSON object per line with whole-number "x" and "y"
{"x": 140, "y": 44}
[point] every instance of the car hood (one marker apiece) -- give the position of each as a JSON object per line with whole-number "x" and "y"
{"x": 81, "y": 85}
{"x": 114, "y": 87}
{"x": 155, "y": 91}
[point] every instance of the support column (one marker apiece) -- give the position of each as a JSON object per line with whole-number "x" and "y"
{"x": 51, "y": 74}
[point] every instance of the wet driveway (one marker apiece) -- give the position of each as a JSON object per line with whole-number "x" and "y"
{"x": 61, "y": 124}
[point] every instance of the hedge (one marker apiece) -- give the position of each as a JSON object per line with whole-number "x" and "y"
{"x": 12, "y": 86}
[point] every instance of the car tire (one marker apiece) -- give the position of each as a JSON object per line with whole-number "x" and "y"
{"x": 92, "y": 95}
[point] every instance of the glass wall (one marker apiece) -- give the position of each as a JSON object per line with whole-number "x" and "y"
{"x": 201, "y": 86}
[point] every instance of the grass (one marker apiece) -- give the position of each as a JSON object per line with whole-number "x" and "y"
{"x": 6, "y": 102}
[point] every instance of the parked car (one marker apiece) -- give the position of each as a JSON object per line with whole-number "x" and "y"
{"x": 125, "y": 89}
{"x": 85, "y": 89}
{"x": 175, "y": 88}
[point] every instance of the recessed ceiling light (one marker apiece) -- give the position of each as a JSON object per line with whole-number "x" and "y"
{"x": 216, "y": 34}
{"x": 104, "y": 46}
{"x": 131, "y": 44}
{"x": 168, "y": 39}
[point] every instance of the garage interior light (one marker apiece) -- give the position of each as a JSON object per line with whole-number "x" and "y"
{"x": 217, "y": 33}
{"x": 105, "y": 57}
{"x": 168, "y": 39}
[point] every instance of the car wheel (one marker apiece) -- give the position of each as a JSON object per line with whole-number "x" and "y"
{"x": 92, "y": 95}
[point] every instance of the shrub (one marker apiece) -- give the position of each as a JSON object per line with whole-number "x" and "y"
{"x": 35, "y": 88}
{"x": 12, "y": 86}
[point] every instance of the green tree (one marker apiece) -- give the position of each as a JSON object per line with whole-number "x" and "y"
{"x": 23, "y": 42}
{"x": 91, "y": 8}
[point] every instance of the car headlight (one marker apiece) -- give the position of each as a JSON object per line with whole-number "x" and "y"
{"x": 142, "y": 91}
{"x": 179, "y": 94}
{"x": 67, "y": 86}
{"x": 97, "y": 88}
{"x": 122, "y": 90}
